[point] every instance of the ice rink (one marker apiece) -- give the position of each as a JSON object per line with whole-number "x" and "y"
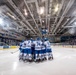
{"x": 64, "y": 63}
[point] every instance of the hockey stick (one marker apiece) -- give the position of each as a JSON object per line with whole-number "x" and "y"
{"x": 14, "y": 52}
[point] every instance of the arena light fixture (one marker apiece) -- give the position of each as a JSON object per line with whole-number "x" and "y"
{"x": 56, "y": 8}
{"x": 43, "y": 21}
{"x": 72, "y": 31}
{"x": 1, "y": 21}
{"x": 68, "y": 19}
{"x": 41, "y": 10}
{"x": 11, "y": 15}
{"x": 75, "y": 23}
{"x": 73, "y": 26}
{"x": 25, "y": 12}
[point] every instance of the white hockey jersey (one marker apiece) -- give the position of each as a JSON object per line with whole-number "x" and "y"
{"x": 28, "y": 44}
{"x": 23, "y": 46}
{"x": 42, "y": 46}
{"x": 47, "y": 44}
{"x": 37, "y": 45}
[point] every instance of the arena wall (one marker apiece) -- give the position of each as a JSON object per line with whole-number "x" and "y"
{"x": 9, "y": 47}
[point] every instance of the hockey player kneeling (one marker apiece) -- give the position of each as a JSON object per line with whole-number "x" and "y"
{"x": 48, "y": 49}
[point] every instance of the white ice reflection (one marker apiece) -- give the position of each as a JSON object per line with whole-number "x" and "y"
{"x": 15, "y": 65}
{"x": 2, "y": 73}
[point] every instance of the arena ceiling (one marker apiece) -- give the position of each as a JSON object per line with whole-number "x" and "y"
{"x": 26, "y": 17}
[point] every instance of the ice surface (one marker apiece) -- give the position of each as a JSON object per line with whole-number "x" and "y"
{"x": 64, "y": 63}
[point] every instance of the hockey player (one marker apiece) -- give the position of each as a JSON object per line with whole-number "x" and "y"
{"x": 28, "y": 47}
{"x": 25, "y": 51}
{"x": 21, "y": 50}
{"x": 48, "y": 49}
{"x": 28, "y": 51}
{"x": 43, "y": 51}
{"x": 33, "y": 49}
{"x": 37, "y": 49}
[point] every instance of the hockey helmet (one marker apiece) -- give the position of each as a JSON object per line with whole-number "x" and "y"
{"x": 45, "y": 39}
{"x": 38, "y": 38}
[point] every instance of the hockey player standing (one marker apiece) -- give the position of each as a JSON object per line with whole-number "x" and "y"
{"x": 33, "y": 49}
{"x": 43, "y": 51}
{"x": 37, "y": 49}
{"x": 25, "y": 51}
{"x": 22, "y": 47}
{"x": 48, "y": 49}
{"x": 29, "y": 51}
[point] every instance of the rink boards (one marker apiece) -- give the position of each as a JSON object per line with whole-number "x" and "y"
{"x": 66, "y": 46}
{"x": 8, "y": 47}
{"x": 12, "y": 47}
